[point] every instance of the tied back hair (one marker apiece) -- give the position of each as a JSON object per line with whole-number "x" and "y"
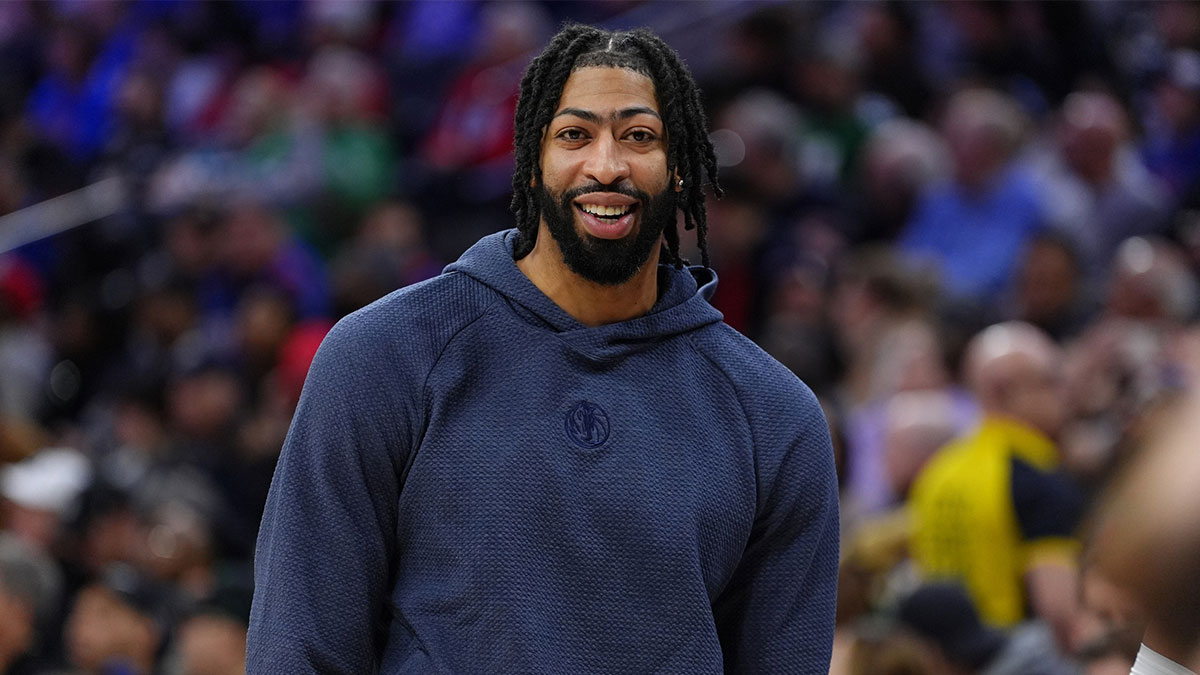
{"x": 689, "y": 152}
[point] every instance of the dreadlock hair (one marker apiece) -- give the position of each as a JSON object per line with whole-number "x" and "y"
{"x": 689, "y": 152}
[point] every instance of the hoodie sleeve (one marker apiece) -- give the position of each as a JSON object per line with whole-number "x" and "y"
{"x": 776, "y": 613}
{"x": 327, "y": 541}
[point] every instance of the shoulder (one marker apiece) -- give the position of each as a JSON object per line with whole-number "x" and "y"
{"x": 755, "y": 375}
{"x": 953, "y": 464}
{"x": 403, "y": 333}
{"x": 423, "y": 316}
{"x": 1047, "y": 503}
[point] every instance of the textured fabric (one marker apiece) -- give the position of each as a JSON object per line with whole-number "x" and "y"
{"x": 966, "y": 524}
{"x": 475, "y": 482}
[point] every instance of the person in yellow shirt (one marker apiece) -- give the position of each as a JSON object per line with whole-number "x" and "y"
{"x": 993, "y": 510}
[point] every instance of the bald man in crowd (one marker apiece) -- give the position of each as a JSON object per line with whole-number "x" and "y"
{"x": 1148, "y": 543}
{"x": 993, "y": 510}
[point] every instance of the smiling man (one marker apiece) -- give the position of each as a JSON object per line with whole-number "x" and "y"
{"x": 554, "y": 457}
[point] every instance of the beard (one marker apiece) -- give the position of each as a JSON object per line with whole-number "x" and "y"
{"x": 609, "y": 262}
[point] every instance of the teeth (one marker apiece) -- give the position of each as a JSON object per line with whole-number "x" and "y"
{"x": 597, "y": 210}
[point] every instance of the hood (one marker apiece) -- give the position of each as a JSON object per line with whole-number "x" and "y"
{"x": 682, "y": 304}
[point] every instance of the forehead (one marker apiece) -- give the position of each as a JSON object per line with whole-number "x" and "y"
{"x": 601, "y": 88}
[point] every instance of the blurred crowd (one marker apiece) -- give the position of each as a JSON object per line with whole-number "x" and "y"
{"x": 973, "y": 228}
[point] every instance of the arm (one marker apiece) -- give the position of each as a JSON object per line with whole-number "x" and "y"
{"x": 1053, "y": 586}
{"x": 1048, "y": 507}
{"x": 326, "y": 544}
{"x": 776, "y": 613}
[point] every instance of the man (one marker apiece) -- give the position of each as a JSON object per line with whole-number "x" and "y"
{"x": 974, "y": 227}
{"x": 118, "y": 623}
{"x": 554, "y": 457}
{"x": 1096, "y": 190}
{"x": 1148, "y": 543}
{"x": 992, "y": 510}
{"x": 30, "y": 584}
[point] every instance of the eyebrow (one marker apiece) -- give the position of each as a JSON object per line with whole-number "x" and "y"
{"x": 622, "y": 114}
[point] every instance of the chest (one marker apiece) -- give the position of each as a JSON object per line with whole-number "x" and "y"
{"x": 550, "y": 455}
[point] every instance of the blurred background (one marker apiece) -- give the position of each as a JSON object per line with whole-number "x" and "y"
{"x": 192, "y": 192}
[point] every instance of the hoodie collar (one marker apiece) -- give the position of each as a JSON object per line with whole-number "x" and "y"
{"x": 682, "y": 305}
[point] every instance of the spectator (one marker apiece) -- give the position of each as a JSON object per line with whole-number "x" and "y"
{"x": 1096, "y": 190}
{"x": 30, "y": 584}
{"x": 118, "y": 624}
{"x": 1172, "y": 148}
{"x": 255, "y": 247}
{"x": 900, "y": 160}
{"x": 1050, "y": 290}
{"x": 24, "y": 351}
{"x": 974, "y": 228}
{"x": 388, "y": 252}
{"x": 39, "y": 494}
{"x": 796, "y": 330}
{"x": 1151, "y": 282}
{"x": 756, "y": 141}
{"x": 991, "y": 510}
{"x": 212, "y": 643}
{"x": 358, "y": 162}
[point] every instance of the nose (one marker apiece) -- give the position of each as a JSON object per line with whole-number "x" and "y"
{"x": 606, "y": 163}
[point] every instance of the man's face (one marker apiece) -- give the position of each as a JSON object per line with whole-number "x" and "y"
{"x": 605, "y": 196}
{"x": 102, "y": 628}
{"x": 1035, "y": 393}
{"x": 16, "y": 629}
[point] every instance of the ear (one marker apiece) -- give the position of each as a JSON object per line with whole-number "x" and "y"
{"x": 678, "y": 181}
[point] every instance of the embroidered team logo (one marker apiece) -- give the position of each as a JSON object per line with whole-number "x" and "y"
{"x": 587, "y": 425}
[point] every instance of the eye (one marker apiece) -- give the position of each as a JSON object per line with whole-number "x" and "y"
{"x": 572, "y": 134}
{"x": 641, "y": 136}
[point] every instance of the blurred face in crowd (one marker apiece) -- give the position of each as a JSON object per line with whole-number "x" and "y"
{"x": 1016, "y": 371}
{"x": 104, "y": 630}
{"x": 251, "y": 236}
{"x": 1092, "y": 129}
{"x": 212, "y": 645}
{"x": 605, "y": 196}
{"x": 16, "y": 629}
{"x": 177, "y": 545}
{"x": 202, "y": 404}
{"x": 1033, "y": 394}
{"x": 1047, "y": 283}
{"x": 264, "y": 319}
{"x": 395, "y": 226}
{"x": 38, "y": 528}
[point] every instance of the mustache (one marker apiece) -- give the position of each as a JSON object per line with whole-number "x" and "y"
{"x": 617, "y": 188}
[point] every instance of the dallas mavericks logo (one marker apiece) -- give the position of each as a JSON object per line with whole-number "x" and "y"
{"x": 587, "y": 425}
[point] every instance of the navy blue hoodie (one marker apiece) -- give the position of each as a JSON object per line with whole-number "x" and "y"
{"x": 475, "y": 482}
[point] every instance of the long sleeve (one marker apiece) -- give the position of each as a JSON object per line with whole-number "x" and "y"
{"x": 326, "y": 543}
{"x": 776, "y": 613}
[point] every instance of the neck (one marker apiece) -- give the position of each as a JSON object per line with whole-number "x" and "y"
{"x": 592, "y": 304}
{"x": 1157, "y": 639}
